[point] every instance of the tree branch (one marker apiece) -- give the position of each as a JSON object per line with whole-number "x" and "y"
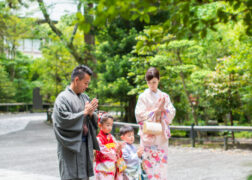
{"x": 69, "y": 45}
{"x": 48, "y": 20}
{"x": 76, "y": 25}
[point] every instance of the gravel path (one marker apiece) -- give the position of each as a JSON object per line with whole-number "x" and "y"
{"x": 28, "y": 151}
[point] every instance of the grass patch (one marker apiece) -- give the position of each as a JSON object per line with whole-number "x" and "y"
{"x": 243, "y": 134}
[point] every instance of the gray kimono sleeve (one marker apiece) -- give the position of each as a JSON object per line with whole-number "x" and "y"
{"x": 67, "y": 124}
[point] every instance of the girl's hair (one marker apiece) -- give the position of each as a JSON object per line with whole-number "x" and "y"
{"x": 151, "y": 73}
{"x": 104, "y": 117}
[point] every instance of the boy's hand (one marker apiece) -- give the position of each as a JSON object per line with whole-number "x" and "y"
{"x": 140, "y": 152}
{"x": 119, "y": 146}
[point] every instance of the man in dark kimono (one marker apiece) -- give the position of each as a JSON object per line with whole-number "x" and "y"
{"x": 75, "y": 125}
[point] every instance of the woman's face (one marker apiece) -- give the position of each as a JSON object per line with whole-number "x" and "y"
{"x": 153, "y": 84}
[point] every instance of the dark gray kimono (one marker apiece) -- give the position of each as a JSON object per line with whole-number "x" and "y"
{"x": 75, "y": 153}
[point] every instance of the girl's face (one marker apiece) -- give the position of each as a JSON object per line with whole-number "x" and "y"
{"x": 153, "y": 84}
{"x": 106, "y": 126}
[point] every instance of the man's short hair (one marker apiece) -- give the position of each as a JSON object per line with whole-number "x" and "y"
{"x": 125, "y": 129}
{"x": 80, "y": 72}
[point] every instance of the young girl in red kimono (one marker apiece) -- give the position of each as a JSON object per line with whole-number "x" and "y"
{"x": 110, "y": 151}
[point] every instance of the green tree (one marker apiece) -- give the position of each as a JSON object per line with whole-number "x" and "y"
{"x": 17, "y": 66}
{"x": 7, "y": 90}
{"x": 53, "y": 70}
{"x": 230, "y": 81}
{"x": 113, "y": 52}
{"x": 186, "y": 18}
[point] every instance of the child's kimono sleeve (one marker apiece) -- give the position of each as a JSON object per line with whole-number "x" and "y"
{"x": 106, "y": 150}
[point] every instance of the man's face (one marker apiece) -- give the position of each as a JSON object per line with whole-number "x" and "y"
{"x": 82, "y": 85}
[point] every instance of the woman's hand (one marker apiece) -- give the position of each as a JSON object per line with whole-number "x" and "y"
{"x": 160, "y": 109}
{"x": 161, "y": 104}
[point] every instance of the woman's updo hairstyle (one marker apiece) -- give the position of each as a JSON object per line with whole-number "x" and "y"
{"x": 151, "y": 73}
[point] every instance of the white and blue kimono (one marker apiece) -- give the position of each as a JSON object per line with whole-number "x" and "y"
{"x": 133, "y": 170}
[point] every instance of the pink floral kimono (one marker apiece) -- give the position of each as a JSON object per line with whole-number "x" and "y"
{"x": 155, "y": 146}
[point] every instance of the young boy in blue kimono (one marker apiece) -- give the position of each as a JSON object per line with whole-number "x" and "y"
{"x": 130, "y": 154}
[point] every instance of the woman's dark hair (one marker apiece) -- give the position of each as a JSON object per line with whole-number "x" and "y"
{"x": 125, "y": 129}
{"x": 80, "y": 72}
{"x": 105, "y": 117}
{"x": 151, "y": 73}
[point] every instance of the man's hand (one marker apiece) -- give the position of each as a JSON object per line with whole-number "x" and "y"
{"x": 94, "y": 103}
{"x": 90, "y": 107}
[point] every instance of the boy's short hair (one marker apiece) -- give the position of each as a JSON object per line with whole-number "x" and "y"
{"x": 125, "y": 129}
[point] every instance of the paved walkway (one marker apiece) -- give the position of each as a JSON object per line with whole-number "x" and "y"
{"x": 28, "y": 152}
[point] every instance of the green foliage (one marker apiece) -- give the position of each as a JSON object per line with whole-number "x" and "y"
{"x": 7, "y": 90}
{"x": 17, "y": 66}
{"x": 243, "y": 134}
{"x": 53, "y": 70}
{"x": 199, "y": 61}
{"x": 202, "y": 49}
{"x": 249, "y": 177}
{"x": 185, "y": 17}
{"x": 113, "y": 53}
{"x": 20, "y": 67}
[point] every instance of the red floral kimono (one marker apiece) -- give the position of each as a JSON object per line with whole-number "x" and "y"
{"x": 106, "y": 158}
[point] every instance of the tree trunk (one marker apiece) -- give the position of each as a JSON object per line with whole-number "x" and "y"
{"x": 89, "y": 39}
{"x": 130, "y": 110}
{"x": 1, "y": 44}
{"x": 232, "y": 123}
{"x": 12, "y": 58}
{"x": 231, "y": 105}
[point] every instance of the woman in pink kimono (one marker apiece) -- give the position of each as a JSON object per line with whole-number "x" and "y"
{"x": 155, "y": 106}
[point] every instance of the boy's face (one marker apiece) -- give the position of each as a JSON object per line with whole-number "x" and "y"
{"x": 128, "y": 137}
